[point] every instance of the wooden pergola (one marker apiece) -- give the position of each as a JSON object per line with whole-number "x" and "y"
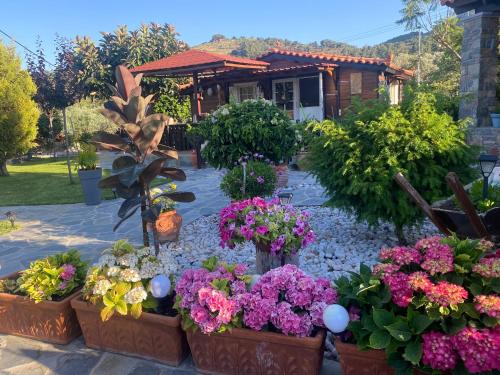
{"x": 196, "y": 64}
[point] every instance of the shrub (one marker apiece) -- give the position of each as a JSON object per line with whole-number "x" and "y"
{"x": 476, "y": 195}
{"x": 53, "y": 277}
{"x": 421, "y": 303}
{"x": 283, "y": 228}
{"x": 120, "y": 282}
{"x": 260, "y": 181}
{"x": 253, "y": 126}
{"x": 356, "y": 160}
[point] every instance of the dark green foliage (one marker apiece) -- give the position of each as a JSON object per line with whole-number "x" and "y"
{"x": 254, "y": 126}
{"x": 260, "y": 181}
{"x": 356, "y": 160}
{"x": 176, "y": 107}
{"x": 476, "y": 196}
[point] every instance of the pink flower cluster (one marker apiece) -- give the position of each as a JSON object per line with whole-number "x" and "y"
{"x": 479, "y": 349}
{"x": 282, "y": 228}
{"x": 446, "y": 294}
{"x": 67, "y": 273}
{"x": 401, "y": 255}
{"x": 284, "y": 299}
{"x": 288, "y": 299}
{"x": 489, "y": 305}
{"x": 208, "y": 307}
{"x": 488, "y": 267}
{"x": 438, "y": 257}
{"x": 400, "y": 288}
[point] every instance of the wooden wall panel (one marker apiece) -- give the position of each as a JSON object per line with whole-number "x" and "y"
{"x": 369, "y": 86}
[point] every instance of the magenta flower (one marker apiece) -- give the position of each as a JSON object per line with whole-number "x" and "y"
{"x": 68, "y": 271}
{"x": 446, "y": 294}
{"x": 438, "y": 351}
{"x": 260, "y": 180}
{"x": 479, "y": 349}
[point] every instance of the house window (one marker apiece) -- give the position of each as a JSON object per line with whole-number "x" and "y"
{"x": 243, "y": 91}
{"x": 284, "y": 95}
{"x": 356, "y": 83}
{"x": 394, "y": 92}
{"x": 309, "y": 92}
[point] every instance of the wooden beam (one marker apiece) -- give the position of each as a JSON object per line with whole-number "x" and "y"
{"x": 197, "y": 100}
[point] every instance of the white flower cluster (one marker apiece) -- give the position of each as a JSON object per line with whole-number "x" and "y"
{"x": 101, "y": 287}
{"x": 130, "y": 275}
{"x": 150, "y": 268}
{"x": 135, "y": 295}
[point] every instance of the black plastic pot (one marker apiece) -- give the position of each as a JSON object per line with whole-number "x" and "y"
{"x": 89, "y": 180}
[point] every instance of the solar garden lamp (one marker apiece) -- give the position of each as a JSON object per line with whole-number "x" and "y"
{"x": 285, "y": 197}
{"x": 486, "y": 164}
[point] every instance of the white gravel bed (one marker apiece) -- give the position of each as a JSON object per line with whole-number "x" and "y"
{"x": 341, "y": 243}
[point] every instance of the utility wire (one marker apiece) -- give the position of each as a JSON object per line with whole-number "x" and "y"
{"x": 26, "y": 48}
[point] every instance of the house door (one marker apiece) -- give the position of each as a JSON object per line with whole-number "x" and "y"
{"x": 310, "y": 98}
{"x": 284, "y": 96}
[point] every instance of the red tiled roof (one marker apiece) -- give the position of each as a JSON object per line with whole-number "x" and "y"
{"x": 275, "y": 68}
{"x": 195, "y": 58}
{"x": 338, "y": 58}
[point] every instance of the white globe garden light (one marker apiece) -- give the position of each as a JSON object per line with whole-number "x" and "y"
{"x": 160, "y": 286}
{"x": 336, "y": 318}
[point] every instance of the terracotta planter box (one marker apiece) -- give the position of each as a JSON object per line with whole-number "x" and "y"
{"x": 152, "y": 336}
{"x": 359, "y": 362}
{"x": 50, "y": 321}
{"x": 243, "y": 351}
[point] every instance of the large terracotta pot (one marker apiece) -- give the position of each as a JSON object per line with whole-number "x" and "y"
{"x": 50, "y": 321}
{"x": 265, "y": 260}
{"x": 281, "y": 175}
{"x": 363, "y": 362}
{"x": 168, "y": 226}
{"x": 152, "y": 336}
{"x": 243, "y": 351}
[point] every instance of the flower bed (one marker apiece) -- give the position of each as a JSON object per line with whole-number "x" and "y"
{"x": 282, "y": 312}
{"x": 433, "y": 307}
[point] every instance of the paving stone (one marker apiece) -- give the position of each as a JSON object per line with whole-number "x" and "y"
{"x": 77, "y": 363}
{"x": 114, "y": 364}
{"x": 144, "y": 369}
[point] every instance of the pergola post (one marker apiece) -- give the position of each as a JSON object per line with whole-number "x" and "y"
{"x": 196, "y": 110}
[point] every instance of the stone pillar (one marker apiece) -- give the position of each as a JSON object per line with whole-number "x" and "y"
{"x": 479, "y": 67}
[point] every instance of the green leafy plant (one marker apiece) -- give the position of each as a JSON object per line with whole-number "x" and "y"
{"x": 440, "y": 288}
{"x": 132, "y": 174}
{"x": 120, "y": 282}
{"x": 87, "y": 158}
{"x": 253, "y": 126}
{"x": 53, "y": 277}
{"x": 356, "y": 159}
{"x": 160, "y": 198}
{"x": 476, "y": 195}
{"x": 259, "y": 180}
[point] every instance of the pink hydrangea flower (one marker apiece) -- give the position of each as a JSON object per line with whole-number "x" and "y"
{"x": 489, "y": 305}
{"x": 479, "y": 349}
{"x": 488, "y": 267}
{"x": 446, "y": 294}
{"x": 380, "y": 270}
{"x": 419, "y": 281}
{"x": 399, "y": 286}
{"x": 438, "y": 258}
{"x": 438, "y": 351}
{"x": 401, "y": 255}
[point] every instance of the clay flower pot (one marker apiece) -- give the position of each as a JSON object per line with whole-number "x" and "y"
{"x": 244, "y": 351}
{"x": 152, "y": 336}
{"x": 281, "y": 171}
{"x": 50, "y": 321}
{"x": 266, "y": 261}
{"x": 359, "y": 362}
{"x": 168, "y": 226}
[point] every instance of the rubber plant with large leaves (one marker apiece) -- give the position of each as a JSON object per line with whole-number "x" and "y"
{"x": 133, "y": 173}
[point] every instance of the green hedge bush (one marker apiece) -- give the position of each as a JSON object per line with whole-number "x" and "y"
{"x": 253, "y": 126}
{"x": 356, "y": 159}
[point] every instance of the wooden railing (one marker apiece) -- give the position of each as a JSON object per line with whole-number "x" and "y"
{"x": 176, "y": 136}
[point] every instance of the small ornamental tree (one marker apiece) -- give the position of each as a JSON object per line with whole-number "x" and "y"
{"x": 18, "y": 112}
{"x": 253, "y": 126}
{"x": 356, "y": 160}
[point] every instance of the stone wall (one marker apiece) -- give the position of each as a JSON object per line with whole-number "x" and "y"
{"x": 479, "y": 67}
{"x": 487, "y": 138}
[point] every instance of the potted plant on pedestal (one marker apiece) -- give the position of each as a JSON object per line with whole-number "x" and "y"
{"x": 126, "y": 305}
{"x": 278, "y": 231}
{"x": 169, "y": 222}
{"x": 35, "y": 303}
{"x": 89, "y": 174}
{"x": 274, "y": 327}
{"x": 432, "y": 308}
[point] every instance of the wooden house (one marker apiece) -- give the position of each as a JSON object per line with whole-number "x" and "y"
{"x": 306, "y": 85}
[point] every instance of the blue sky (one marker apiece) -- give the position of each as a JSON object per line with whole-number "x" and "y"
{"x": 358, "y": 22}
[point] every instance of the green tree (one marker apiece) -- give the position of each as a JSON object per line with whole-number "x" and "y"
{"x": 356, "y": 160}
{"x": 18, "y": 111}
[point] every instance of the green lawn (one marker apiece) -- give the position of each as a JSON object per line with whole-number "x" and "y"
{"x": 44, "y": 181}
{"x": 6, "y": 227}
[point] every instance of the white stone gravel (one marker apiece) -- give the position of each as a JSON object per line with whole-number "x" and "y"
{"x": 341, "y": 243}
